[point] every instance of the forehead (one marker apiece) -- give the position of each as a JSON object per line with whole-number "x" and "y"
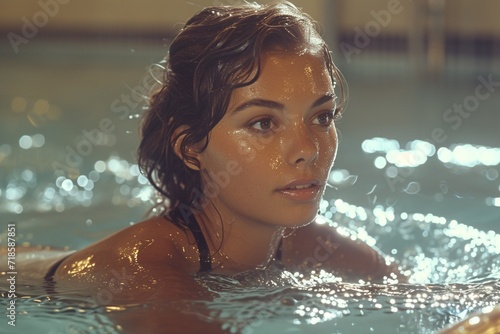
{"x": 284, "y": 75}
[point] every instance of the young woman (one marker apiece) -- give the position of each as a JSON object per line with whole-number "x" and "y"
{"x": 238, "y": 142}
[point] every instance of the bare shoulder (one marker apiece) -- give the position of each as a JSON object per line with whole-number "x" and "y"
{"x": 319, "y": 244}
{"x": 152, "y": 245}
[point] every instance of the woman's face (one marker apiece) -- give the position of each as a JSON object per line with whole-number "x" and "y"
{"x": 269, "y": 157}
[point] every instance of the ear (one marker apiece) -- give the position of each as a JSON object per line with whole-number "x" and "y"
{"x": 191, "y": 151}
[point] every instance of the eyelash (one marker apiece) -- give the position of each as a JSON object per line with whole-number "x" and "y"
{"x": 251, "y": 124}
{"x": 332, "y": 115}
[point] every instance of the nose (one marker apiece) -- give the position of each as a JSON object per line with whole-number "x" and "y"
{"x": 302, "y": 146}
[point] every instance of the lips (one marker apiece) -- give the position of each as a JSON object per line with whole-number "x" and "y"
{"x": 301, "y": 190}
{"x": 302, "y": 186}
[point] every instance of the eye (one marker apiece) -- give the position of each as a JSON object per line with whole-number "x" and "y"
{"x": 262, "y": 124}
{"x": 325, "y": 119}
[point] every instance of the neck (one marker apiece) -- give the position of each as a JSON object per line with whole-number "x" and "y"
{"x": 237, "y": 244}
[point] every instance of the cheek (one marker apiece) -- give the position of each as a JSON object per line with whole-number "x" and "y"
{"x": 250, "y": 149}
{"x": 329, "y": 146}
{"x": 229, "y": 150}
{"x": 252, "y": 153}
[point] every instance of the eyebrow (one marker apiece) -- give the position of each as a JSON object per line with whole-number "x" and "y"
{"x": 257, "y": 102}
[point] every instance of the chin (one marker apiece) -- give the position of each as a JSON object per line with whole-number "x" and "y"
{"x": 300, "y": 219}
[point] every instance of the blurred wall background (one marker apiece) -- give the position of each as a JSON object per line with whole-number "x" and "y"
{"x": 96, "y": 16}
{"x": 463, "y": 17}
{"x": 428, "y": 32}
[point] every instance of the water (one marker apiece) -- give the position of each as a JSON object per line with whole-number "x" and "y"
{"x": 455, "y": 272}
{"x": 432, "y": 206}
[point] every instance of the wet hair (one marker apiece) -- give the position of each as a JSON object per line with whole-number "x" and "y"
{"x": 219, "y": 49}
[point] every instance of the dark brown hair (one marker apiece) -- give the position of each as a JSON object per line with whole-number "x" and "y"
{"x": 218, "y": 50}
